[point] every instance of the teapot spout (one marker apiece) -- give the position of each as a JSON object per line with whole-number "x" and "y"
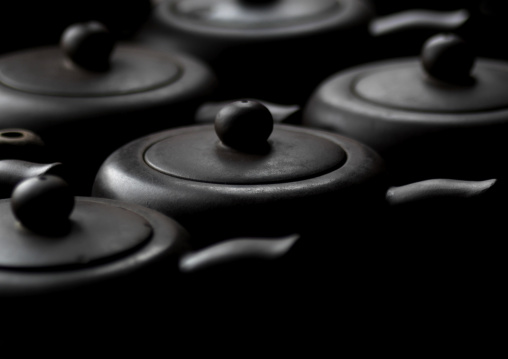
{"x": 235, "y": 250}
{"x": 438, "y": 189}
{"x": 403, "y": 21}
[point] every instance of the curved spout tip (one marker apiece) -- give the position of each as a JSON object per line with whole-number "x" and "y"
{"x": 237, "y": 249}
{"x": 438, "y": 188}
{"x": 418, "y": 18}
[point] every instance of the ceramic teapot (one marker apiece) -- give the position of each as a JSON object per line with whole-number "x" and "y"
{"x": 402, "y": 33}
{"x": 54, "y": 244}
{"x": 89, "y": 96}
{"x": 280, "y": 50}
{"x": 40, "y": 24}
{"x": 443, "y": 114}
{"x": 246, "y": 174}
{"x": 252, "y": 43}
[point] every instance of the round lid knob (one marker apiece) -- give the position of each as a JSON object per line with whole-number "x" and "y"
{"x": 88, "y": 45}
{"x": 12, "y": 172}
{"x": 85, "y": 65}
{"x": 244, "y": 125}
{"x": 244, "y": 147}
{"x": 447, "y": 78}
{"x": 43, "y": 204}
{"x": 447, "y": 57}
{"x": 44, "y": 226}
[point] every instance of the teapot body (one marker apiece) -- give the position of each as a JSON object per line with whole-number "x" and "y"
{"x": 206, "y": 206}
{"x": 82, "y": 116}
{"x": 55, "y": 273}
{"x": 423, "y": 128}
{"x": 263, "y": 50}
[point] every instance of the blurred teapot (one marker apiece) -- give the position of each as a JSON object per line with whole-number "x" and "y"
{"x": 89, "y": 96}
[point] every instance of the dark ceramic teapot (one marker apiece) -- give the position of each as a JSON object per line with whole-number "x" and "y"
{"x": 246, "y": 175}
{"x": 280, "y": 50}
{"x": 402, "y": 33}
{"x": 249, "y": 43}
{"x": 443, "y": 114}
{"x": 89, "y": 96}
{"x": 54, "y": 244}
{"x": 34, "y": 23}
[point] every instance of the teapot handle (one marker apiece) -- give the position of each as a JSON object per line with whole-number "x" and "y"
{"x": 418, "y": 19}
{"x": 437, "y": 189}
{"x": 237, "y": 249}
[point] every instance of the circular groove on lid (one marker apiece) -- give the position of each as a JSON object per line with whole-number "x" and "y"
{"x": 406, "y": 87}
{"x": 198, "y": 155}
{"x": 46, "y": 71}
{"x": 99, "y": 233}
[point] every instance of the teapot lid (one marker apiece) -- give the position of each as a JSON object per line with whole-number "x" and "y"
{"x": 244, "y": 147}
{"x": 44, "y": 227}
{"x": 447, "y": 79}
{"x": 87, "y": 65}
{"x": 254, "y": 13}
